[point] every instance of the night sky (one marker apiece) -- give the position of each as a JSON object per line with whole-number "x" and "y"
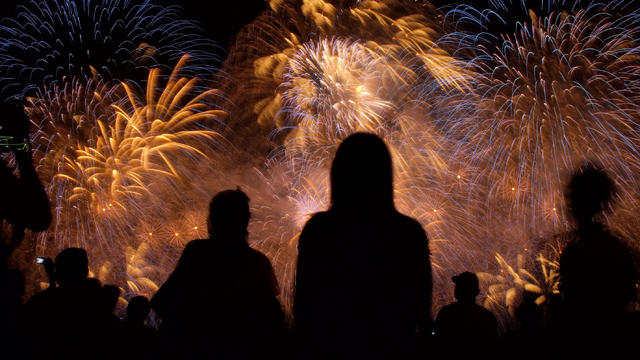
{"x": 221, "y": 20}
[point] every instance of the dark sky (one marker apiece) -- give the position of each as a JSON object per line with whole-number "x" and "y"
{"x": 221, "y": 19}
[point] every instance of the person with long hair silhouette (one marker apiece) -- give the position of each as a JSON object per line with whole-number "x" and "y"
{"x": 363, "y": 281}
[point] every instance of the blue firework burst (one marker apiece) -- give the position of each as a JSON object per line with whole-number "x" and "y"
{"x": 50, "y": 40}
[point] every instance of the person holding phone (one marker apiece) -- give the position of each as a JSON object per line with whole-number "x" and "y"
{"x": 24, "y": 204}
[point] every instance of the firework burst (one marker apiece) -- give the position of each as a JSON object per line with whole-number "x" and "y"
{"x": 49, "y": 41}
{"x": 482, "y": 135}
{"x": 482, "y": 141}
{"x": 380, "y": 52}
{"x": 560, "y": 91}
{"x": 326, "y": 70}
{"x": 124, "y": 168}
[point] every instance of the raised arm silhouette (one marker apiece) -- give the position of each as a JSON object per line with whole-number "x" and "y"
{"x": 363, "y": 282}
{"x": 24, "y": 204}
{"x": 221, "y": 298}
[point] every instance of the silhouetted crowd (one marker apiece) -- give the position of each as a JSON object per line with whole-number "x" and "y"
{"x": 363, "y": 285}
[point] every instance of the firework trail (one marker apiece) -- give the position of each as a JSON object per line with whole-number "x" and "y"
{"x": 49, "y": 41}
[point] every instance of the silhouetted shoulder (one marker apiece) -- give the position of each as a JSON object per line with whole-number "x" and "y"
{"x": 394, "y": 219}
{"x": 488, "y": 316}
{"x": 40, "y": 297}
{"x": 410, "y": 225}
{"x": 318, "y": 219}
{"x": 197, "y": 245}
{"x": 259, "y": 258}
{"x": 409, "y": 235}
{"x": 468, "y": 320}
{"x": 194, "y": 250}
{"x": 264, "y": 269}
{"x": 317, "y": 226}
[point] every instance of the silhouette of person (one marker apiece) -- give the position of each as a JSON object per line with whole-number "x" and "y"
{"x": 110, "y": 324}
{"x": 138, "y": 339}
{"x": 598, "y": 274}
{"x": 13, "y": 332}
{"x": 66, "y": 319}
{"x": 221, "y": 299}
{"x": 24, "y": 204}
{"x": 529, "y": 314}
{"x": 110, "y": 296}
{"x": 363, "y": 281}
{"x": 464, "y": 327}
{"x": 531, "y": 332}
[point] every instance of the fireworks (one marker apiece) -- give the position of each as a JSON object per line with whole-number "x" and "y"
{"x": 324, "y": 73}
{"x": 483, "y": 129}
{"x": 370, "y": 57}
{"x": 49, "y": 41}
{"x": 482, "y": 143}
{"x": 121, "y": 164}
{"x": 139, "y": 146}
{"x": 560, "y": 91}
{"x": 504, "y": 290}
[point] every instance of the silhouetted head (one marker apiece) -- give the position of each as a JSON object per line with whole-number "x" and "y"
{"x": 93, "y": 284}
{"x": 229, "y": 214}
{"x": 138, "y": 309}
{"x": 109, "y": 297}
{"x": 467, "y": 287}
{"x": 361, "y": 174}
{"x": 528, "y": 312}
{"x": 72, "y": 266}
{"x": 589, "y": 191}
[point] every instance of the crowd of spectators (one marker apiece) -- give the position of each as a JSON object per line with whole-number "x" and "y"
{"x": 363, "y": 284}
